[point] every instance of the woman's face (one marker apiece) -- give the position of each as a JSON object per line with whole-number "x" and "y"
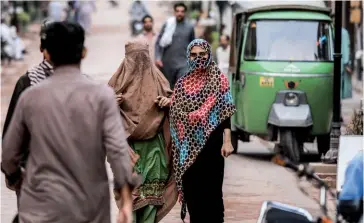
{"x": 198, "y": 51}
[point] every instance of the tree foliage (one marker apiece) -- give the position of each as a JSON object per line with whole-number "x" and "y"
{"x": 355, "y": 126}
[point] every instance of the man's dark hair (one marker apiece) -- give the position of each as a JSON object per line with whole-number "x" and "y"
{"x": 180, "y": 4}
{"x": 64, "y": 42}
{"x": 147, "y": 17}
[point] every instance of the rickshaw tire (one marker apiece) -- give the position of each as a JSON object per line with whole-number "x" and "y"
{"x": 235, "y": 141}
{"x": 290, "y": 143}
{"x": 323, "y": 144}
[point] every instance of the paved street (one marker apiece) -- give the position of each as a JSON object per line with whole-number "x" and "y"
{"x": 249, "y": 180}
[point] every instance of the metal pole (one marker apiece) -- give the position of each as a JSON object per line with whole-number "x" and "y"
{"x": 332, "y": 154}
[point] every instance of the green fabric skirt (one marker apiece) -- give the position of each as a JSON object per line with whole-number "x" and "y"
{"x": 153, "y": 167}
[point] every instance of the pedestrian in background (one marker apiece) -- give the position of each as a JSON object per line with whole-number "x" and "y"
{"x": 7, "y": 42}
{"x": 72, "y": 130}
{"x": 84, "y": 13}
{"x": 18, "y": 44}
{"x": 171, "y": 44}
{"x": 137, "y": 13}
{"x": 148, "y": 35}
{"x": 71, "y": 11}
{"x": 143, "y": 95}
{"x": 57, "y": 10}
{"x": 31, "y": 78}
{"x": 200, "y": 127}
{"x": 223, "y": 54}
{"x": 346, "y": 71}
{"x": 114, "y": 4}
{"x": 12, "y": 45}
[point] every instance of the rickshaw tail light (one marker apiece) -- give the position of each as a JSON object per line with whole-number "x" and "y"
{"x": 291, "y": 99}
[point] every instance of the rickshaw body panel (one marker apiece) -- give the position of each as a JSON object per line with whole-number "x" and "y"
{"x": 315, "y": 80}
{"x": 253, "y": 100}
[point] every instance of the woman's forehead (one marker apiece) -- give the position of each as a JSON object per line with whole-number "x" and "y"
{"x": 197, "y": 49}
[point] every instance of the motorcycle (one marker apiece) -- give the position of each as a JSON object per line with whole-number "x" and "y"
{"x": 275, "y": 212}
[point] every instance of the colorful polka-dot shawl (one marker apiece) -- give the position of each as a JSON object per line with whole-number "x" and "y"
{"x": 200, "y": 102}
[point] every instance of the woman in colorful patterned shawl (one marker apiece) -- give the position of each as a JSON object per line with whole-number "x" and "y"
{"x": 200, "y": 128}
{"x": 143, "y": 95}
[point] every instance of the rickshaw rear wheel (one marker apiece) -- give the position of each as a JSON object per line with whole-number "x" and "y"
{"x": 235, "y": 141}
{"x": 292, "y": 145}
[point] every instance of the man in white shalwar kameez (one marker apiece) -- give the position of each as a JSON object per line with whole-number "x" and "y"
{"x": 85, "y": 9}
{"x": 56, "y": 11}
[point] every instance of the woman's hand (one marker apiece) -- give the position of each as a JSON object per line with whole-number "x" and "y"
{"x": 159, "y": 63}
{"x": 227, "y": 149}
{"x": 119, "y": 98}
{"x": 163, "y": 101}
{"x": 179, "y": 198}
{"x": 348, "y": 69}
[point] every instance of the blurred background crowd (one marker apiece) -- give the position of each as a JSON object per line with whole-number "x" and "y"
{"x": 109, "y": 24}
{"x": 211, "y": 19}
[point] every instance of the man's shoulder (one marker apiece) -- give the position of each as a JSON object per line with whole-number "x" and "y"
{"x": 101, "y": 87}
{"x": 88, "y": 77}
{"x": 89, "y": 85}
{"x": 106, "y": 90}
{"x": 97, "y": 87}
{"x": 103, "y": 93}
{"x": 88, "y": 82}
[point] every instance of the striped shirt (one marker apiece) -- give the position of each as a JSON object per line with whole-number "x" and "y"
{"x": 40, "y": 72}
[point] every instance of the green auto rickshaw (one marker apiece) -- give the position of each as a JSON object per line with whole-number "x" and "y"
{"x": 281, "y": 75}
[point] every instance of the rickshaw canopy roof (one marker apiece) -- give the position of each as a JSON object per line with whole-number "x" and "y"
{"x": 251, "y": 7}
{"x": 289, "y": 15}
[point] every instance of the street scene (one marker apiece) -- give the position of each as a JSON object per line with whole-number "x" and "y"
{"x": 250, "y": 178}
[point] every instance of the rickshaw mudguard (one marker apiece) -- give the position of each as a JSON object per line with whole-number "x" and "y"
{"x": 286, "y": 212}
{"x": 282, "y": 115}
